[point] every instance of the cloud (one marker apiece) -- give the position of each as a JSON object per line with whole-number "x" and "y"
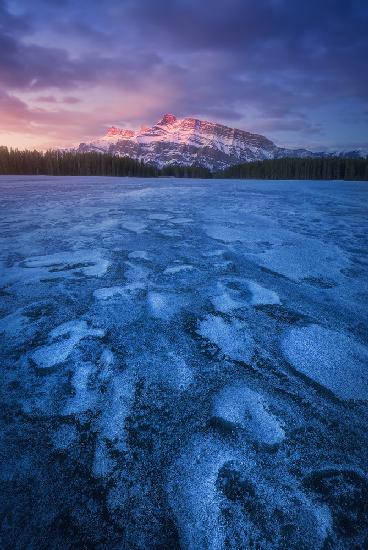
{"x": 14, "y": 113}
{"x": 71, "y": 100}
{"x": 46, "y": 99}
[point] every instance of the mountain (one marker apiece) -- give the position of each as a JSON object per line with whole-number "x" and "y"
{"x": 189, "y": 141}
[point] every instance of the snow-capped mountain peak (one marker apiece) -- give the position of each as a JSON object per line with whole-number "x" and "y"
{"x": 190, "y": 141}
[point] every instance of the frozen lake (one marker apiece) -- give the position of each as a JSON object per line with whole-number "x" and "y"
{"x": 184, "y": 364}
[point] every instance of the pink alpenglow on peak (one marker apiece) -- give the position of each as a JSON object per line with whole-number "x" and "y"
{"x": 168, "y": 119}
{"x": 119, "y": 132}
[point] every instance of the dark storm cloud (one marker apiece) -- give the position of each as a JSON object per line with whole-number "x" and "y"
{"x": 33, "y": 66}
{"x": 273, "y": 62}
{"x": 230, "y": 24}
{"x": 309, "y": 44}
{"x": 24, "y": 64}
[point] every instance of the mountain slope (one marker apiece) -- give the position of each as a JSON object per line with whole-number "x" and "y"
{"x": 190, "y": 141}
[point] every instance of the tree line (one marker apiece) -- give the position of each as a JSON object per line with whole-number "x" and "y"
{"x": 72, "y": 163}
{"x": 69, "y": 163}
{"x": 332, "y": 168}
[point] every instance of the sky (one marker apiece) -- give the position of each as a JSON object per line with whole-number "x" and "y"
{"x": 293, "y": 70}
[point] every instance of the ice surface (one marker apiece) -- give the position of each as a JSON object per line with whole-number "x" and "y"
{"x": 332, "y": 359}
{"x": 103, "y": 463}
{"x": 232, "y": 338}
{"x": 64, "y": 437}
{"x": 14, "y": 323}
{"x": 183, "y": 363}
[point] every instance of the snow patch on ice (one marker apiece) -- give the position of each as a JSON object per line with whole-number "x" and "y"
{"x": 107, "y": 357}
{"x": 223, "y": 302}
{"x": 128, "y": 290}
{"x": 177, "y": 268}
{"x": 213, "y": 253}
{"x": 106, "y": 364}
{"x": 231, "y": 337}
{"x": 105, "y": 293}
{"x": 254, "y": 230}
{"x": 307, "y": 258}
{"x": 330, "y": 358}
{"x": 262, "y": 295}
{"x": 90, "y": 262}
{"x": 57, "y": 352}
{"x": 170, "y": 233}
{"x": 225, "y": 234}
{"x": 179, "y": 375}
{"x": 159, "y": 217}
{"x": 134, "y": 226}
{"x": 117, "y": 408}
{"x": 181, "y": 221}
{"x": 163, "y": 305}
{"x": 244, "y": 407}
{"x": 193, "y": 495}
{"x": 223, "y": 266}
{"x": 84, "y": 398}
{"x": 112, "y": 432}
{"x": 138, "y": 255}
